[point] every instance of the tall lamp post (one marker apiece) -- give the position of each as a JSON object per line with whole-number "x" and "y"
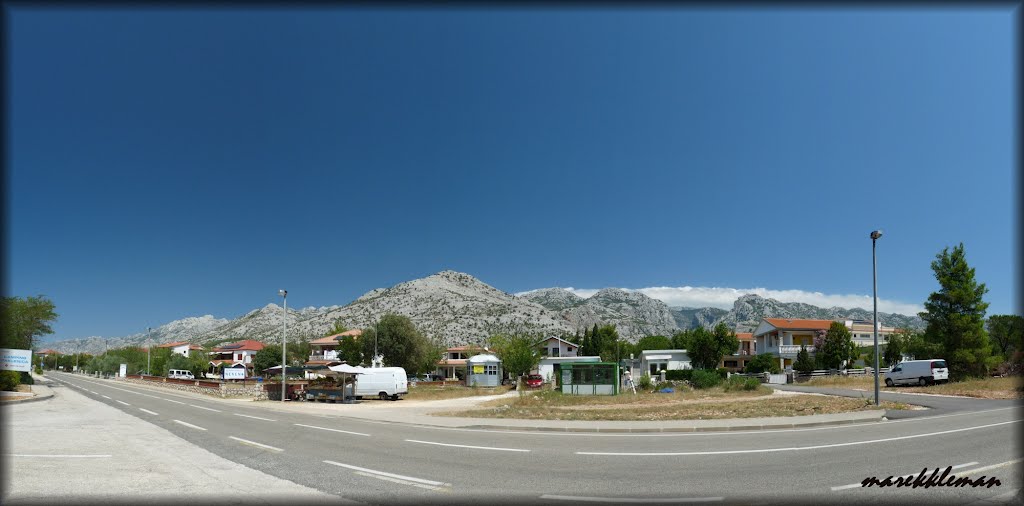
{"x": 149, "y": 350}
{"x": 284, "y": 344}
{"x": 874, "y": 290}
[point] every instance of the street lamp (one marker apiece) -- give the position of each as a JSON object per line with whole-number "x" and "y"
{"x": 284, "y": 343}
{"x": 874, "y": 290}
{"x": 149, "y": 349}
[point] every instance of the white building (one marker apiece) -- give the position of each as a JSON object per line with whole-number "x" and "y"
{"x": 550, "y": 367}
{"x": 180, "y": 347}
{"x": 652, "y": 361}
{"x": 558, "y": 347}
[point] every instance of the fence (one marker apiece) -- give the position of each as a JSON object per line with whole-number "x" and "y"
{"x": 799, "y": 377}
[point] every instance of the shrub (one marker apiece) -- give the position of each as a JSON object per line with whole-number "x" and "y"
{"x": 9, "y": 380}
{"x": 722, "y": 372}
{"x": 763, "y": 362}
{"x": 803, "y": 363}
{"x": 645, "y": 382}
{"x": 39, "y": 370}
{"x": 751, "y": 384}
{"x": 679, "y": 375}
{"x": 26, "y": 378}
{"x": 703, "y": 378}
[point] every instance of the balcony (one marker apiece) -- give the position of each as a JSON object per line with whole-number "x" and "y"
{"x": 788, "y": 349}
{"x": 324, "y": 355}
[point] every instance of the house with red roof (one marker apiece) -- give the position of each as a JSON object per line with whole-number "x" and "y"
{"x": 324, "y": 352}
{"x": 234, "y": 354}
{"x": 784, "y": 336}
{"x": 736, "y": 362}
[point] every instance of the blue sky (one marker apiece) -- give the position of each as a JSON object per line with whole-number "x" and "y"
{"x": 173, "y": 163}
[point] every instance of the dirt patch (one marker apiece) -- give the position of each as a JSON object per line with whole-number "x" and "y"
{"x": 987, "y": 388}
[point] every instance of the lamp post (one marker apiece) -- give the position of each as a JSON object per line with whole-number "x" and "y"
{"x": 284, "y": 344}
{"x": 874, "y": 290}
{"x": 149, "y": 350}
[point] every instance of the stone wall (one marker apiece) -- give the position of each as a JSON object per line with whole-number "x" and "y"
{"x": 234, "y": 390}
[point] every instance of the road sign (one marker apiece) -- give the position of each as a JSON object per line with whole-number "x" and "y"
{"x": 234, "y": 373}
{"x": 124, "y": 370}
{"x": 15, "y": 360}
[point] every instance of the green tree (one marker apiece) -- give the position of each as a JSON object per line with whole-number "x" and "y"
{"x": 621, "y": 350}
{"x": 337, "y": 329}
{"x": 896, "y": 346}
{"x": 518, "y": 353}
{"x": 398, "y": 340}
{"x": 803, "y": 362}
{"x": 763, "y": 362}
{"x": 24, "y": 319}
{"x": 606, "y": 347}
{"x": 706, "y": 349}
{"x": 955, "y": 316}
{"x": 350, "y": 350}
{"x": 837, "y": 347}
{"x": 654, "y": 343}
{"x": 586, "y": 348}
{"x": 299, "y": 352}
{"x": 1006, "y": 333}
{"x": 269, "y": 356}
{"x": 681, "y": 340}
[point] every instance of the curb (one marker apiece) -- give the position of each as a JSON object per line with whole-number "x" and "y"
{"x": 728, "y": 428}
{"x": 29, "y": 399}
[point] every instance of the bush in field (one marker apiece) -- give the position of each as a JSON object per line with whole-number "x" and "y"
{"x": 705, "y": 379}
{"x": 763, "y": 362}
{"x": 39, "y": 370}
{"x": 723, "y": 373}
{"x": 740, "y": 383}
{"x": 26, "y": 378}
{"x": 645, "y": 382}
{"x": 9, "y": 380}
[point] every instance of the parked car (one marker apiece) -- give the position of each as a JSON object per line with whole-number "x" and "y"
{"x": 534, "y": 381}
{"x": 921, "y": 372}
{"x": 180, "y": 374}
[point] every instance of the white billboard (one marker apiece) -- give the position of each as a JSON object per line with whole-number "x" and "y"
{"x": 15, "y": 360}
{"x": 124, "y": 370}
{"x": 234, "y": 373}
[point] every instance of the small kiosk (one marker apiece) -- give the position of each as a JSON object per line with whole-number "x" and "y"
{"x": 483, "y": 370}
{"x": 590, "y": 378}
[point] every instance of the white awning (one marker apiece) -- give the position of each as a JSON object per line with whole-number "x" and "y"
{"x": 659, "y": 357}
{"x": 347, "y": 369}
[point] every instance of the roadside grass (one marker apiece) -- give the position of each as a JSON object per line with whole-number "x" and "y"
{"x": 986, "y": 388}
{"x": 424, "y": 392}
{"x": 548, "y": 407}
{"x": 547, "y": 397}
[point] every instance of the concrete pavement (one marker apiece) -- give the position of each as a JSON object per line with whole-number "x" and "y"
{"x": 72, "y": 448}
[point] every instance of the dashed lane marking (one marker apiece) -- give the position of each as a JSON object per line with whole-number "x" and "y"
{"x": 332, "y": 430}
{"x": 467, "y": 446}
{"x": 254, "y": 443}
{"x": 644, "y": 500}
{"x": 186, "y": 424}
{"x": 256, "y": 417}
{"x": 148, "y": 411}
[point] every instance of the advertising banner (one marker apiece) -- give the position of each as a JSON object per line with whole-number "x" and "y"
{"x": 478, "y": 369}
{"x": 124, "y": 370}
{"x": 15, "y": 360}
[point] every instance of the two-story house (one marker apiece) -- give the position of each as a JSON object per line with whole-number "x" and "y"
{"x": 784, "y": 336}
{"x": 736, "y": 362}
{"x": 453, "y": 362}
{"x": 240, "y": 352}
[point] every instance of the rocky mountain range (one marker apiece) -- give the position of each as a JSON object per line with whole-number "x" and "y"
{"x": 456, "y": 308}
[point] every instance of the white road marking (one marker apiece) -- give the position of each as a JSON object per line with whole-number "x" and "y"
{"x": 256, "y": 417}
{"x": 993, "y": 466}
{"x": 858, "y": 485}
{"x": 467, "y": 446}
{"x": 148, "y": 411}
{"x": 105, "y": 397}
{"x": 125, "y": 403}
{"x": 254, "y": 443}
{"x": 332, "y": 430}
{"x": 208, "y": 409}
{"x": 94, "y": 392}
{"x": 186, "y": 424}
{"x": 61, "y": 456}
{"x": 792, "y": 449}
{"x": 172, "y": 400}
{"x": 630, "y": 499}
{"x": 402, "y": 482}
{"x": 390, "y": 475}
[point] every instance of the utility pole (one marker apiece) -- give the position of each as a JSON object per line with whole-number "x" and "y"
{"x": 284, "y": 344}
{"x": 149, "y": 349}
{"x": 874, "y": 289}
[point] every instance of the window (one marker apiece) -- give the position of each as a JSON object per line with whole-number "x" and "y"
{"x": 554, "y": 352}
{"x": 492, "y": 369}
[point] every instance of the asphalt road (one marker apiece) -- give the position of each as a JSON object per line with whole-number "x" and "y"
{"x": 382, "y": 463}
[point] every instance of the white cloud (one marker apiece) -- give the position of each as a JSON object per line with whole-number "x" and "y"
{"x": 702, "y": 296}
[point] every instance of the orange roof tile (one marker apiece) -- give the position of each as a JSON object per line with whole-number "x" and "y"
{"x": 745, "y": 335}
{"x": 246, "y": 345}
{"x": 797, "y": 324}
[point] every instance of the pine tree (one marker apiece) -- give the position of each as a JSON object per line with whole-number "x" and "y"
{"x": 955, "y": 316}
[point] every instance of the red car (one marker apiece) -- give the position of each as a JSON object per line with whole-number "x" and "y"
{"x": 534, "y": 381}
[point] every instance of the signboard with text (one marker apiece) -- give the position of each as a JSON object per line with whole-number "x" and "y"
{"x": 15, "y": 360}
{"x": 478, "y": 369}
{"x": 124, "y": 370}
{"x": 234, "y": 373}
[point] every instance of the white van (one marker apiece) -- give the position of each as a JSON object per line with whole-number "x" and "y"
{"x": 921, "y": 372}
{"x": 180, "y": 374}
{"x": 382, "y": 382}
